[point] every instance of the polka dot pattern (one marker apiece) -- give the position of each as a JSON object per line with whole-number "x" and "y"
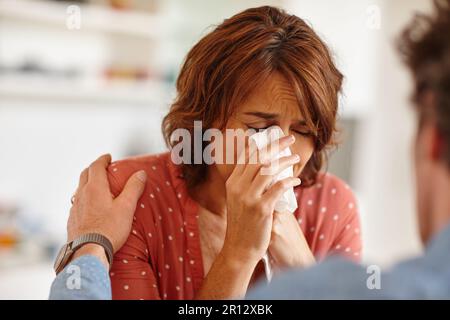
{"x": 329, "y": 218}
{"x": 162, "y": 256}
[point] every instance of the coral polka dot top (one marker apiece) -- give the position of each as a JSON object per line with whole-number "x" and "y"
{"x": 162, "y": 258}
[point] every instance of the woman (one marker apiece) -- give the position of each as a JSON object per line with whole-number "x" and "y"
{"x": 201, "y": 230}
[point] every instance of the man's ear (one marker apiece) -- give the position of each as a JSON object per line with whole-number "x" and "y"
{"x": 432, "y": 137}
{"x": 436, "y": 144}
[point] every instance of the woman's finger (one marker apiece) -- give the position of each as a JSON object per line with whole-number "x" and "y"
{"x": 275, "y": 147}
{"x": 277, "y": 189}
{"x": 247, "y": 153}
{"x": 267, "y": 173}
{"x": 266, "y": 155}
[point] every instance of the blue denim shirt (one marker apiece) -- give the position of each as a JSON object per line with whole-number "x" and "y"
{"x": 85, "y": 278}
{"x": 425, "y": 277}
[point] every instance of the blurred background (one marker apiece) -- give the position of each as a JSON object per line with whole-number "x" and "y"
{"x": 82, "y": 78}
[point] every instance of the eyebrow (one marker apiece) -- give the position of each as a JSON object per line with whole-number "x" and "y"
{"x": 270, "y": 116}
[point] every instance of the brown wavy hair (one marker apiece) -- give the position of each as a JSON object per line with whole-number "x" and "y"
{"x": 223, "y": 68}
{"x": 425, "y": 48}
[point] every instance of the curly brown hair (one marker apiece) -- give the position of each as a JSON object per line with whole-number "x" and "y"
{"x": 223, "y": 68}
{"x": 425, "y": 48}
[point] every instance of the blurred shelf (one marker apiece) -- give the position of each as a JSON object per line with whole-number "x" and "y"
{"x": 11, "y": 259}
{"x": 93, "y": 17}
{"x": 147, "y": 94}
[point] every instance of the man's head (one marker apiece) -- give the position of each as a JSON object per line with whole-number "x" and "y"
{"x": 425, "y": 48}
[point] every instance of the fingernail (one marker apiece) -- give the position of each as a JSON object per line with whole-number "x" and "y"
{"x": 142, "y": 176}
{"x": 298, "y": 181}
{"x": 291, "y": 138}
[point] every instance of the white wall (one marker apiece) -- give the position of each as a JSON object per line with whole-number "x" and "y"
{"x": 345, "y": 28}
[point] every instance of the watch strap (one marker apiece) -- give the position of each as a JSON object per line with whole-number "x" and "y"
{"x": 73, "y": 246}
{"x": 96, "y": 238}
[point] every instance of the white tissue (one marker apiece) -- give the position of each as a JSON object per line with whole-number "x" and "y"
{"x": 288, "y": 201}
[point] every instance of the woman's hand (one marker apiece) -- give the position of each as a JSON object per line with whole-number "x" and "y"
{"x": 250, "y": 202}
{"x": 250, "y": 208}
{"x": 288, "y": 247}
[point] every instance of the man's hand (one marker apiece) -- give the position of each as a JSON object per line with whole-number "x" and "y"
{"x": 95, "y": 210}
{"x": 288, "y": 247}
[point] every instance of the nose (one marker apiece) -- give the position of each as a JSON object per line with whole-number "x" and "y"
{"x": 285, "y": 129}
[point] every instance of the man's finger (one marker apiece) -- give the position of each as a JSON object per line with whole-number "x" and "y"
{"x": 97, "y": 170}
{"x": 133, "y": 189}
{"x": 84, "y": 176}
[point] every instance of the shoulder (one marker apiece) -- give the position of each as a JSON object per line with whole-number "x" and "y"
{"x": 318, "y": 282}
{"x": 163, "y": 194}
{"x": 408, "y": 280}
{"x": 329, "y": 183}
{"x": 154, "y": 165}
{"x": 331, "y": 215}
{"x": 330, "y": 192}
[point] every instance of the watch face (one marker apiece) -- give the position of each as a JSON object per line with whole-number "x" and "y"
{"x": 60, "y": 257}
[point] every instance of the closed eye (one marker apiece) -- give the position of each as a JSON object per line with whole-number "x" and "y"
{"x": 303, "y": 133}
{"x": 257, "y": 129}
{"x": 299, "y": 132}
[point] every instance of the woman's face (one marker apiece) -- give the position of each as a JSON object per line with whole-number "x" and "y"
{"x": 273, "y": 103}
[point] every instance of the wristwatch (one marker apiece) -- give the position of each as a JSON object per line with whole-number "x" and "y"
{"x": 69, "y": 249}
